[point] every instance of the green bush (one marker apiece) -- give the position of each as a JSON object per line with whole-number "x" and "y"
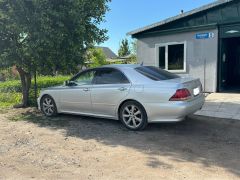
{"x": 9, "y": 99}
{"x": 10, "y": 86}
{"x": 42, "y": 82}
{"x": 10, "y": 91}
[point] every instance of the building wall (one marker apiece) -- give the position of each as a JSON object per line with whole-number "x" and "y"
{"x": 198, "y": 53}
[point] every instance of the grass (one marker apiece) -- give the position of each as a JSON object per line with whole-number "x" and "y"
{"x": 27, "y": 116}
{"x": 4, "y": 110}
{"x": 16, "y": 118}
{"x": 10, "y": 91}
{"x": 34, "y": 116}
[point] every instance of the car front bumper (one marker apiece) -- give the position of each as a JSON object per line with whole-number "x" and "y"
{"x": 38, "y": 103}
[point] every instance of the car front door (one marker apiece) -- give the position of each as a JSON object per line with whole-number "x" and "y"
{"x": 76, "y": 97}
{"x": 110, "y": 86}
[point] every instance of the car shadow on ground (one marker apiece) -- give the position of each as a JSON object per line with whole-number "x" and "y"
{"x": 209, "y": 142}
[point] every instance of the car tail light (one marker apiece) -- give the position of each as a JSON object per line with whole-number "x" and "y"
{"x": 181, "y": 95}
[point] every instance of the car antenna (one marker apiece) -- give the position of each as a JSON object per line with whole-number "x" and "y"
{"x": 141, "y": 64}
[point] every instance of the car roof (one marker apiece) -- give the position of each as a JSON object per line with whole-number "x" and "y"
{"x": 120, "y": 66}
{"x": 129, "y": 71}
{"x": 125, "y": 68}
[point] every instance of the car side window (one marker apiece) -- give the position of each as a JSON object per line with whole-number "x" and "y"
{"x": 110, "y": 76}
{"x": 84, "y": 78}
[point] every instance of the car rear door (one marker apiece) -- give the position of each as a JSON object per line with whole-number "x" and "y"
{"x": 109, "y": 87}
{"x": 76, "y": 97}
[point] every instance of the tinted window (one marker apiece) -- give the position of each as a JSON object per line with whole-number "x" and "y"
{"x": 110, "y": 76}
{"x": 84, "y": 78}
{"x": 155, "y": 73}
{"x": 175, "y": 57}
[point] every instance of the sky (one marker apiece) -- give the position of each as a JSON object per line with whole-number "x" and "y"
{"x": 127, "y": 15}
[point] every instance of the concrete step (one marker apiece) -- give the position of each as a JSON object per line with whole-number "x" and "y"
{"x": 221, "y": 105}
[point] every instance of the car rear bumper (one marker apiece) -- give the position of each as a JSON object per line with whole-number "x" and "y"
{"x": 173, "y": 111}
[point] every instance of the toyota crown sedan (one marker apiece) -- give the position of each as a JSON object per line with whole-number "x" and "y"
{"x": 134, "y": 94}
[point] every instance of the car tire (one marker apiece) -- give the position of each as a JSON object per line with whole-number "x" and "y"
{"x": 133, "y": 116}
{"x": 48, "y": 106}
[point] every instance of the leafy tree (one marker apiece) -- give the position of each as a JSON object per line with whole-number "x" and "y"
{"x": 96, "y": 57}
{"x": 124, "y": 48}
{"x": 48, "y": 35}
{"x": 129, "y": 50}
{"x": 133, "y": 58}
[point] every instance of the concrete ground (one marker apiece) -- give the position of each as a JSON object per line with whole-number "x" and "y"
{"x": 221, "y": 105}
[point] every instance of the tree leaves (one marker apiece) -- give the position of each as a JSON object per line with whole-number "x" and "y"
{"x": 48, "y": 36}
{"x": 39, "y": 34}
{"x": 124, "y": 49}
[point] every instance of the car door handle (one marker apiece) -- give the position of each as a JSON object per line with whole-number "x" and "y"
{"x": 122, "y": 89}
{"x": 85, "y": 89}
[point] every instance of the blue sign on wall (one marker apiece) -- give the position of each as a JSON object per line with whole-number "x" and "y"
{"x": 205, "y": 35}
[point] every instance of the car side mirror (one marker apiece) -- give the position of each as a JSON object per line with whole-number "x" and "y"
{"x": 66, "y": 83}
{"x": 70, "y": 83}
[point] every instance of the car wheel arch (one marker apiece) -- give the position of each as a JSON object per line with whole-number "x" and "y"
{"x": 127, "y": 100}
{"x": 44, "y": 95}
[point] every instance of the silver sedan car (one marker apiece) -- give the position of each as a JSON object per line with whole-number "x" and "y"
{"x": 134, "y": 94}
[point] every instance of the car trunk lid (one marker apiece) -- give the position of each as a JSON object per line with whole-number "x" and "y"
{"x": 192, "y": 84}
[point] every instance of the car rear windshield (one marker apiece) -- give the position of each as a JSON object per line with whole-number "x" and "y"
{"x": 155, "y": 73}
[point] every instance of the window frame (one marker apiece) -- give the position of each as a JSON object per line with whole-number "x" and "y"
{"x": 157, "y": 46}
{"x": 109, "y": 68}
{"x": 82, "y": 73}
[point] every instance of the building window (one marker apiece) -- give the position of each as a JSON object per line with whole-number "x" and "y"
{"x": 171, "y": 56}
{"x": 176, "y": 57}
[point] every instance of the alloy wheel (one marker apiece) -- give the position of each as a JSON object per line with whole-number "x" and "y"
{"x": 48, "y": 106}
{"x": 132, "y": 116}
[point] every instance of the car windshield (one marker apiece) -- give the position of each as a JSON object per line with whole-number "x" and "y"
{"x": 155, "y": 73}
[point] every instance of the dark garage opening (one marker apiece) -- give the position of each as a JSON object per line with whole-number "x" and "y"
{"x": 230, "y": 65}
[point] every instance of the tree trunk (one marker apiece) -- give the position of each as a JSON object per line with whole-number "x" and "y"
{"x": 26, "y": 83}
